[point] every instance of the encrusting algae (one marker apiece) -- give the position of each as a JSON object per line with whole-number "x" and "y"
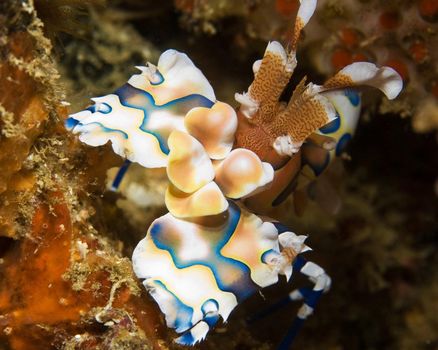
{"x": 62, "y": 285}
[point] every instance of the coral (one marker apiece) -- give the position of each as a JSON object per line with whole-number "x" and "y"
{"x": 62, "y": 284}
{"x": 419, "y": 319}
{"x": 262, "y": 19}
{"x": 401, "y": 35}
{"x": 23, "y": 111}
{"x": 64, "y": 15}
{"x": 380, "y": 247}
{"x": 106, "y": 53}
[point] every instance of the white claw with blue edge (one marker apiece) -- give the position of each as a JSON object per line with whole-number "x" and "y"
{"x": 139, "y": 116}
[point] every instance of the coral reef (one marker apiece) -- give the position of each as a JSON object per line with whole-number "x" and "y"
{"x": 402, "y": 35}
{"x": 65, "y": 281}
{"x": 28, "y": 98}
{"x": 62, "y": 284}
{"x": 105, "y": 55}
{"x": 67, "y": 289}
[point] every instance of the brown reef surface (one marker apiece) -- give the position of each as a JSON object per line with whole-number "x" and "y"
{"x": 62, "y": 285}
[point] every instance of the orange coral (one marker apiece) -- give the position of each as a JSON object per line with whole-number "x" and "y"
{"x": 37, "y": 300}
{"x": 428, "y": 9}
{"x": 61, "y": 285}
{"x": 22, "y": 117}
{"x": 286, "y": 8}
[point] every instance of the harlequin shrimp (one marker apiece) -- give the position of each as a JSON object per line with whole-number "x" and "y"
{"x": 226, "y": 167}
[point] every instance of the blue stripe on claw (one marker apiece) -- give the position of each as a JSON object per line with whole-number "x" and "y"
{"x": 70, "y": 123}
{"x": 183, "y": 314}
{"x": 136, "y": 98}
{"x": 241, "y": 285}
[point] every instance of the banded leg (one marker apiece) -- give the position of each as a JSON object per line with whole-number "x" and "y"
{"x": 120, "y": 174}
{"x": 310, "y": 296}
{"x": 321, "y": 282}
